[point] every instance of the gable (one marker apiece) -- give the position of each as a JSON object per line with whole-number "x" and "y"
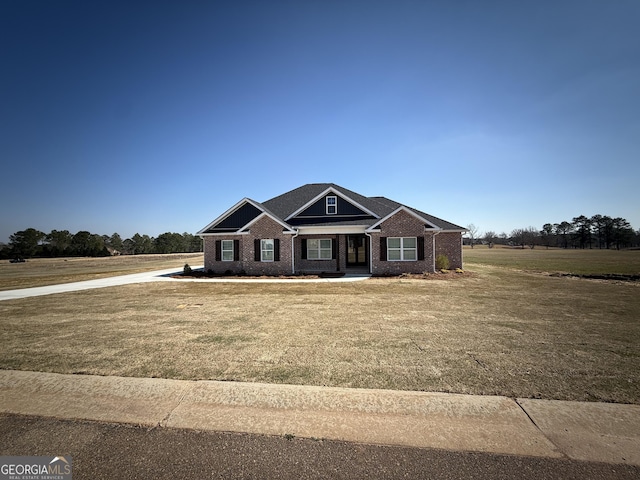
{"x": 235, "y": 220}
{"x": 343, "y": 207}
{"x": 306, "y": 206}
{"x": 317, "y": 212}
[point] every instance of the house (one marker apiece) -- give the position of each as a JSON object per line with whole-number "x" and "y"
{"x": 323, "y": 227}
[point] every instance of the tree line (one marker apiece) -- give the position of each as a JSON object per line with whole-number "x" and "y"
{"x": 598, "y": 231}
{"x": 61, "y": 243}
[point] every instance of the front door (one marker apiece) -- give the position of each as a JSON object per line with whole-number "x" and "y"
{"x": 356, "y": 250}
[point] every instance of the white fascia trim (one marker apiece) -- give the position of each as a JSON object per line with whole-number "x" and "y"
{"x": 221, "y": 234}
{"x": 229, "y": 212}
{"x": 337, "y": 193}
{"x": 456, "y": 230}
{"x": 265, "y": 214}
{"x": 410, "y": 212}
{"x": 332, "y": 230}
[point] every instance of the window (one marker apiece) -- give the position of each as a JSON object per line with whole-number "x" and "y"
{"x": 402, "y": 249}
{"x": 227, "y": 250}
{"x": 266, "y": 250}
{"x": 332, "y": 205}
{"x": 319, "y": 249}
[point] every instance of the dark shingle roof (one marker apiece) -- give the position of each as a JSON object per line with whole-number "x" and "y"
{"x": 284, "y": 205}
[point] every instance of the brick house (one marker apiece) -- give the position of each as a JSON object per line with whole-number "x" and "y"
{"x": 323, "y": 227}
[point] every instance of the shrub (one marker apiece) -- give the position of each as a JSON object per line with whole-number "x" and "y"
{"x": 442, "y": 262}
{"x": 187, "y": 269}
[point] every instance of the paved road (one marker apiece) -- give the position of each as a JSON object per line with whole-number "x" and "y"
{"x": 116, "y": 451}
{"x": 583, "y": 431}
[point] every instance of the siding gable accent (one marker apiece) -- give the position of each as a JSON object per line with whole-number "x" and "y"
{"x": 235, "y": 218}
{"x": 316, "y": 207}
{"x": 343, "y": 208}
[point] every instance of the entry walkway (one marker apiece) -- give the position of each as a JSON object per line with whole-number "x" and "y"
{"x": 543, "y": 428}
{"x": 154, "y": 276}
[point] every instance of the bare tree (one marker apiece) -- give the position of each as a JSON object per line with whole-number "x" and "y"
{"x": 530, "y": 237}
{"x": 517, "y": 237}
{"x": 490, "y": 237}
{"x": 472, "y": 231}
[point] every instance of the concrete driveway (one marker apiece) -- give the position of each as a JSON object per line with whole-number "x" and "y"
{"x": 154, "y": 276}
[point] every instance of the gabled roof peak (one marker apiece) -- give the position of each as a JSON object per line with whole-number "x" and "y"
{"x": 287, "y": 205}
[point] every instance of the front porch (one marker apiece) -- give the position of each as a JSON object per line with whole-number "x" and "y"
{"x": 345, "y": 253}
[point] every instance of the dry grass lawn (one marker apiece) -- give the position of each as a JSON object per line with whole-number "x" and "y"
{"x": 497, "y": 330}
{"x": 540, "y": 259}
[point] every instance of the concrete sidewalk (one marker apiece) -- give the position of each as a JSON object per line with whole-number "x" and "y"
{"x": 154, "y": 276}
{"x": 544, "y": 428}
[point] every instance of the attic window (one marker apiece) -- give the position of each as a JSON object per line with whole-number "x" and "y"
{"x": 332, "y": 205}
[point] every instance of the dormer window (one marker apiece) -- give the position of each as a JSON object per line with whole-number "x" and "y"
{"x": 332, "y": 205}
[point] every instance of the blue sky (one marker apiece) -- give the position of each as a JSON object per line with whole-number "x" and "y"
{"x": 157, "y": 116}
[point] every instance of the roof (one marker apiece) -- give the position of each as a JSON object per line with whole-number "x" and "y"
{"x": 283, "y": 207}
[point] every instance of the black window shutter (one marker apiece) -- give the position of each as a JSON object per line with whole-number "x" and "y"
{"x": 276, "y": 249}
{"x": 334, "y": 248}
{"x": 383, "y": 249}
{"x": 420, "y": 248}
{"x": 304, "y": 248}
{"x": 256, "y": 249}
{"x": 218, "y": 250}
{"x": 236, "y": 250}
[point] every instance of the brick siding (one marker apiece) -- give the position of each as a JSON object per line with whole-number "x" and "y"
{"x": 402, "y": 224}
{"x": 264, "y": 228}
{"x": 450, "y": 244}
{"x": 316, "y": 266}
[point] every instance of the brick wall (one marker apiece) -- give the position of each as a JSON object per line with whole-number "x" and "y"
{"x": 450, "y": 244}
{"x": 402, "y": 224}
{"x": 264, "y": 228}
{"x": 316, "y": 266}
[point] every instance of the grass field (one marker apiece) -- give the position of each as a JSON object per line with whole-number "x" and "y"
{"x": 557, "y": 260}
{"x": 500, "y": 329}
{"x": 46, "y": 271}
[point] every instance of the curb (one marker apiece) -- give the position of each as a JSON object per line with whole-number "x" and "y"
{"x": 544, "y": 428}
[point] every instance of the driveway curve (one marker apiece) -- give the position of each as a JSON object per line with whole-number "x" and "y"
{"x": 153, "y": 276}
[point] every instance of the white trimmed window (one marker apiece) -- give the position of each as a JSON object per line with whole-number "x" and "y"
{"x": 319, "y": 249}
{"x": 332, "y": 205}
{"x": 227, "y": 250}
{"x": 266, "y": 250}
{"x": 402, "y": 249}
